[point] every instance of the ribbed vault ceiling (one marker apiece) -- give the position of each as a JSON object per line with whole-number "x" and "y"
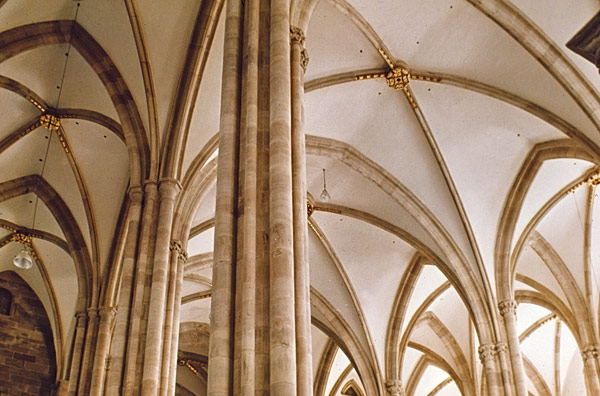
{"x": 442, "y": 193}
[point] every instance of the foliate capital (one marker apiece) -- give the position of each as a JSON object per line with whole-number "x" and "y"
{"x": 176, "y": 246}
{"x": 297, "y": 36}
{"x": 486, "y": 352}
{"x": 501, "y": 347}
{"x": 590, "y": 352}
{"x": 507, "y": 306}
{"x": 394, "y": 388}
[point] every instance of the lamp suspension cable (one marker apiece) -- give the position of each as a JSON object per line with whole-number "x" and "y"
{"x": 25, "y": 259}
{"x": 325, "y": 197}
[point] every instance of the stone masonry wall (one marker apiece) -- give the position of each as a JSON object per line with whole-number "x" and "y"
{"x": 27, "y": 357}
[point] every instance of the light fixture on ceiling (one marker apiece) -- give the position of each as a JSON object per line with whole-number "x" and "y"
{"x": 325, "y": 197}
{"x": 24, "y": 259}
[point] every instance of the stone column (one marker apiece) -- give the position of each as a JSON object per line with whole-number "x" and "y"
{"x": 88, "y": 352}
{"x": 504, "y": 362}
{"x": 220, "y": 374}
{"x": 508, "y": 310}
{"x": 282, "y": 307}
{"x": 299, "y": 62}
{"x": 182, "y": 258}
{"x": 107, "y": 315}
{"x": 153, "y": 356}
{"x": 170, "y": 361}
{"x": 589, "y": 355}
{"x": 487, "y": 353}
{"x": 394, "y": 388}
{"x": 260, "y": 306}
{"x": 76, "y": 357}
{"x": 119, "y": 340}
{"x": 130, "y": 383}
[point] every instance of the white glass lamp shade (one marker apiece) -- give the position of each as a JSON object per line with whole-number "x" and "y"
{"x": 23, "y": 260}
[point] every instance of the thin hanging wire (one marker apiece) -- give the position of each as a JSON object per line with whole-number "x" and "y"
{"x": 60, "y": 89}
{"x": 325, "y": 197}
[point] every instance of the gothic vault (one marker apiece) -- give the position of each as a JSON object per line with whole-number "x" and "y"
{"x": 298, "y": 198}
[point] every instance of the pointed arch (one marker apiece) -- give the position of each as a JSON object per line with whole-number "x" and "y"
{"x": 340, "y": 331}
{"x": 563, "y": 148}
{"x": 392, "y": 343}
{"x": 456, "y": 267}
{"x": 459, "y": 361}
{"x": 568, "y": 284}
{"x": 76, "y": 243}
{"x": 542, "y": 48}
{"x": 324, "y": 368}
{"x": 175, "y": 138}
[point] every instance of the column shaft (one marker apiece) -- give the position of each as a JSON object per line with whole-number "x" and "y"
{"x": 107, "y": 315}
{"x": 220, "y": 358}
{"x": 282, "y": 310}
{"x": 508, "y": 312}
{"x": 131, "y": 377}
{"x": 302, "y": 277}
{"x": 76, "y": 358}
{"x": 168, "y": 360}
{"x": 176, "y": 322}
{"x": 504, "y": 361}
{"x": 248, "y": 190}
{"x": 88, "y": 352}
{"x": 168, "y": 190}
{"x": 487, "y": 354}
{"x": 119, "y": 340}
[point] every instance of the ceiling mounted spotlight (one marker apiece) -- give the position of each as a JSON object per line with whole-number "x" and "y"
{"x": 325, "y": 197}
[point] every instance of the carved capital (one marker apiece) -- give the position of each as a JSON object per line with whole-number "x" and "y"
{"x": 501, "y": 347}
{"x": 590, "y": 352}
{"x": 181, "y": 253}
{"x": 394, "y": 388}
{"x": 297, "y": 36}
{"x": 507, "y": 306}
{"x": 486, "y": 352}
